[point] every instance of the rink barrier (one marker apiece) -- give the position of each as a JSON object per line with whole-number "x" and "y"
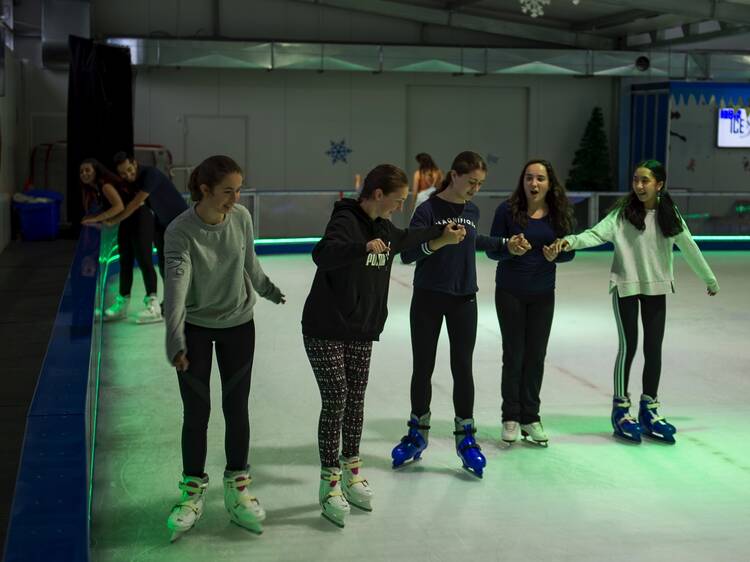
{"x": 51, "y": 510}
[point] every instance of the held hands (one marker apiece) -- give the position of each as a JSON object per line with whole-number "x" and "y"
{"x": 452, "y": 234}
{"x": 710, "y": 292}
{"x": 518, "y": 245}
{"x": 181, "y": 362}
{"x": 377, "y": 246}
{"x": 553, "y": 250}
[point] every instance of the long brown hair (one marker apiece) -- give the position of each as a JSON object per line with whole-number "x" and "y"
{"x": 560, "y": 209}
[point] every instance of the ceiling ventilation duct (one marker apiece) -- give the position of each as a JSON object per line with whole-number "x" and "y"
{"x": 60, "y": 19}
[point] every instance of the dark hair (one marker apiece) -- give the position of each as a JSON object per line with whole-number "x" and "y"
{"x": 667, "y": 215}
{"x": 426, "y": 163}
{"x": 560, "y": 209}
{"x": 101, "y": 176}
{"x": 211, "y": 172}
{"x": 121, "y": 157}
{"x": 464, "y": 163}
{"x": 386, "y": 177}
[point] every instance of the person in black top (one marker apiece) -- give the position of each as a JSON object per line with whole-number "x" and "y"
{"x": 158, "y": 191}
{"x": 445, "y": 286}
{"x": 109, "y": 194}
{"x": 99, "y": 187}
{"x": 537, "y": 213}
{"x": 344, "y": 313}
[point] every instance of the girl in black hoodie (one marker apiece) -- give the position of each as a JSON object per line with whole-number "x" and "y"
{"x": 344, "y": 313}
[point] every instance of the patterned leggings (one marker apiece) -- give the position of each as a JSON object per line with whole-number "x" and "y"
{"x": 341, "y": 370}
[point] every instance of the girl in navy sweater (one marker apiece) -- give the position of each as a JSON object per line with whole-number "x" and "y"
{"x": 537, "y": 213}
{"x": 445, "y": 287}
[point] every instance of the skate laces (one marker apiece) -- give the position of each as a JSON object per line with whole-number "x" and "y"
{"x": 655, "y": 417}
{"x": 353, "y": 468}
{"x": 333, "y": 478}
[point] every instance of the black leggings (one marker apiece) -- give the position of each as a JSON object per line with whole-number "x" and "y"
{"x": 159, "y": 231}
{"x": 134, "y": 236}
{"x": 653, "y": 316}
{"x": 525, "y": 324}
{"x": 234, "y": 352}
{"x": 428, "y": 308}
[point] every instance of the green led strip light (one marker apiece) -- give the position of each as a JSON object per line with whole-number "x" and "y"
{"x": 720, "y": 238}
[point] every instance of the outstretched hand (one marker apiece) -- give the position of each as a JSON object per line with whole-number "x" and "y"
{"x": 518, "y": 245}
{"x": 550, "y": 252}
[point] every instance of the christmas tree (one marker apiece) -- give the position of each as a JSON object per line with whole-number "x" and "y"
{"x": 591, "y": 169}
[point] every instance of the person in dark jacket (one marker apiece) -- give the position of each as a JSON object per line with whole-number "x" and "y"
{"x": 344, "y": 313}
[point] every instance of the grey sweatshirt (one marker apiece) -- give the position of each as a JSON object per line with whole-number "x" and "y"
{"x": 211, "y": 272}
{"x": 643, "y": 259}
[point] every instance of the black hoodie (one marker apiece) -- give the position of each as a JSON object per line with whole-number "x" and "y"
{"x": 349, "y": 295}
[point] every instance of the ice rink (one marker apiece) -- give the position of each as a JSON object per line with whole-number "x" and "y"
{"x": 586, "y": 497}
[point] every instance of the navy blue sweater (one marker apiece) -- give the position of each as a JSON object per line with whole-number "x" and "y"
{"x": 451, "y": 269}
{"x": 530, "y": 273}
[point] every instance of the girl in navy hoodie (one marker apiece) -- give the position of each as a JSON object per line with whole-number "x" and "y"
{"x": 445, "y": 286}
{"x": 344, "y": 313}
{"x": 537, "y": 213}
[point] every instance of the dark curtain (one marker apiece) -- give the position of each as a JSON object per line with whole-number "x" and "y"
{"x": 100, "y": 110}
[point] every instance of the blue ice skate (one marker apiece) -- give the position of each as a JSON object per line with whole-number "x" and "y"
{"x": 653, "y": 425}
{"x": 467, "y": 449}
{"x": 414, "y": 442}
{"x": 625, "y": 426}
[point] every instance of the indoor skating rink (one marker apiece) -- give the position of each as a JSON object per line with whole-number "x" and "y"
{"x": 585, "y": 497}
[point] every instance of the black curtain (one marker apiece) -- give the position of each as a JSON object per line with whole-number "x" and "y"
{"x": 100, "y": 110}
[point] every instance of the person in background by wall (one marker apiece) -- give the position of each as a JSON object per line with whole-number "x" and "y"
{"x": 536, "y": 215}
{"x": 426, "y": 179}
{"x": 343, "y": 314}
{"x": 212, "y": 276}
{"x": 110, "y": 194}
{"x": 157, "y": 190}
{"x": 99, "y": 189}
{"x": 644, "y": 227}
{"x": 445, "y": 287}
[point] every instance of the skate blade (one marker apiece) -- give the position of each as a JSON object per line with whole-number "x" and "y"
{"x": 625, "y": 439}
{"x": 530, "y": 441}
{"x": 406, "y": 463}
{"x": 473, "y": 472}
{"x": 665, "y": 440}
{"x": 332, "y": 519}
{"x": 255, "y": 529}
{"x": 361, "y": 506}
{"x": 149, "y": 321}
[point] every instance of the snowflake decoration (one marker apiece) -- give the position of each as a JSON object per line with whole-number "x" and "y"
{"x": 535, "y": 8}
{"x": 338, "y": 151}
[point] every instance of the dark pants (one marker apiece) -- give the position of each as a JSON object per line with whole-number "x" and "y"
{"x": 134, "y": 236}
{"x": 653, "y": 316}
{"x": 341, "y": 369}
{"x": 428, "y": 308}
{"x": 234, "y": 352}
{"x": 525, "y": 324}
{"x": 159, "y": 231}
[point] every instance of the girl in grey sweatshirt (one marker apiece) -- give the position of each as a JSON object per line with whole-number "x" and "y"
{"x": 643, "y": 228}
{"x": 212, "y": 277}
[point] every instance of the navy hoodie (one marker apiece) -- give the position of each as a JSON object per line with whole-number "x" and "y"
{"x": 349, "y": 295}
